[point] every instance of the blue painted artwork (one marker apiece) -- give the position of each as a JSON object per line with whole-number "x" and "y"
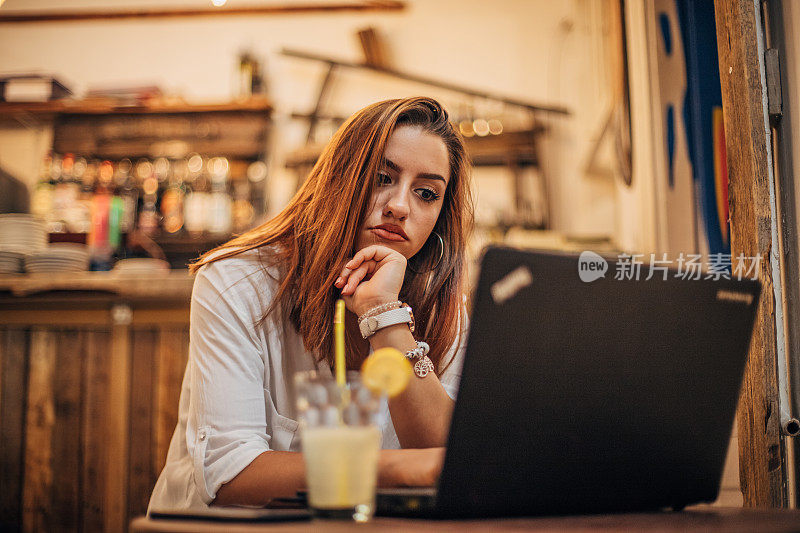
{"x": 703, "y": 99}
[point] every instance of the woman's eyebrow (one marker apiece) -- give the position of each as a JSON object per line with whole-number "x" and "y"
{"x": 427, "y": 175}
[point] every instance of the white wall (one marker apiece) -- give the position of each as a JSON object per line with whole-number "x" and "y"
{"x": 536, "y": 50}
{"x": 637, "y": 211}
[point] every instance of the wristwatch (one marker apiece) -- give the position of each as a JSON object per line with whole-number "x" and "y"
{"x": 402, "y": 315}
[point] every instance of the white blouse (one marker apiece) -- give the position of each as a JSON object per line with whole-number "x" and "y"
{"x": 236, "y": 399}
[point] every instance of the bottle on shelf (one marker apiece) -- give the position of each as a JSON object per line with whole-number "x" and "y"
{"x": 42, "y": 198}
{"x": 219, "y": 213}
{"x": 55, "y": 218}
{"x": 87, "y": 179}
{"x": 128, "y": 193}
{"x": 115, "y": 213}
{"x": 65, "y": 196}
{"x": 202, "y": 198}
{"x": 196, "y": 200}
{"x": 243, "y": 212}
{"x": 172, "y": 198}
{"x": 99, "y": 242}
{"x": 77, "y": 213}
{"x": 256, "y": 176}
{"x": 149, "y": 221}
{"x": 162, "y": 169}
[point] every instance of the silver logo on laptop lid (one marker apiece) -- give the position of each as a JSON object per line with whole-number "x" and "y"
{"x": 509, "y": 285}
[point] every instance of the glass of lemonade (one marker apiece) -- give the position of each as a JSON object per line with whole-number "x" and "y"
{"x": 340, "y": 442}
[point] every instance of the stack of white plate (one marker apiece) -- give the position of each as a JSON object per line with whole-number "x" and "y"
{"x": 22, "y": 233}
{"x": 59, "y": 257}
{"x": 11, "y": 262}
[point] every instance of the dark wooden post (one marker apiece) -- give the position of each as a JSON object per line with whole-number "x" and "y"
{"x": 760, "y": 466}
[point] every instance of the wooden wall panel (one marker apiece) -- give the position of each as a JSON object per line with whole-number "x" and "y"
{"x": 13, "y": 397}
{"x": 94, "y": 420}
{"x": 115, "y": 508}
{"x": 86, "y": 415}
{"x": 66, "y": 438}
{"x": 141, "y": 469}
{"x": 39, "y": 422}
{"x": 173, "y": 353}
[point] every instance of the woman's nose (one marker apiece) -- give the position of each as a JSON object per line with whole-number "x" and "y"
{"x": 397, "y": 204}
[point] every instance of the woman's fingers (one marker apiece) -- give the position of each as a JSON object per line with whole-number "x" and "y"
{"x": 374, "y": 252}
{"x": 342, "y": 279}
{"x": 355, "y": 278}
{"x": 372, "y": 258}
{"x": 371, "y": 253}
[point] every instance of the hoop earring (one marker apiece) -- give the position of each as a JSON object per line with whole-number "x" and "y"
{"x": 438, "y": 260}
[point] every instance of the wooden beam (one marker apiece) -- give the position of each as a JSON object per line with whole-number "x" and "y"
{"x": 760, "y": 465}
{"x": 274, "y": 9}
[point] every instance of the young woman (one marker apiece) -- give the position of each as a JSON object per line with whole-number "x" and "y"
{"x": 382, "y": 218}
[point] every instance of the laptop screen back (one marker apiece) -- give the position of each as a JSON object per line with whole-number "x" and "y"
{"x": 598, "y": 396}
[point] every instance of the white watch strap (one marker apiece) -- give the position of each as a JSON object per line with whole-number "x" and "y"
{"x": 388, "y": 318}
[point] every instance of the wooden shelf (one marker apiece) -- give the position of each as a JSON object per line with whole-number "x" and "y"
{"x": 511, "y": 148}
{"x": 173, "y": 284}
{"x": 107, "y": 106}
{"x": 104, "y": 129}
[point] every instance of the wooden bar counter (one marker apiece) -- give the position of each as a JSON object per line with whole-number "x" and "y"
{"x": 91, "y": 365}
{"x": 701, "y": 518}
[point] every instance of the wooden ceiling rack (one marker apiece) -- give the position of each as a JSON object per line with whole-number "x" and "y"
{"x": 27, "y": 16}
{"x": 333, "y": 63}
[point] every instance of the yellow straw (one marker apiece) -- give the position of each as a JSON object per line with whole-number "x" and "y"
{"x": 342, "y": 481}
{"x": 338, "y": 330}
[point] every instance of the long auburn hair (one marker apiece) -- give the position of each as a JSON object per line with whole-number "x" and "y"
{"x": 312, "y": 248}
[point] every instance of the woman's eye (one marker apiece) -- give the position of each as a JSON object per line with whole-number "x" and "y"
{"x": 383, "y": 178}
{"x": 428, "y": 195}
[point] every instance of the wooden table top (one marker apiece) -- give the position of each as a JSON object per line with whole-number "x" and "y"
{"x": 699, "y": 518}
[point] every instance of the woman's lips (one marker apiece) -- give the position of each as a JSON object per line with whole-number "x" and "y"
{"x": 387, "y": 235}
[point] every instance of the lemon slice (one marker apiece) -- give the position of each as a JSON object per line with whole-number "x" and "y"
{"x": 386, "y": 371}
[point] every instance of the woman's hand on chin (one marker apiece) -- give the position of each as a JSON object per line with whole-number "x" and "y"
{"x": 410, "y": 467}
{"x": 373, "y": 277}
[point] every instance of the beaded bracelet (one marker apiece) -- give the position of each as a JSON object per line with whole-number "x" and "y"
{"x": 379, "y": 309}
{"x": 421, "y": 350}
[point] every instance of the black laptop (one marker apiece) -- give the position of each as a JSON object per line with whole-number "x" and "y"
{"x": 584, "y": 393}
